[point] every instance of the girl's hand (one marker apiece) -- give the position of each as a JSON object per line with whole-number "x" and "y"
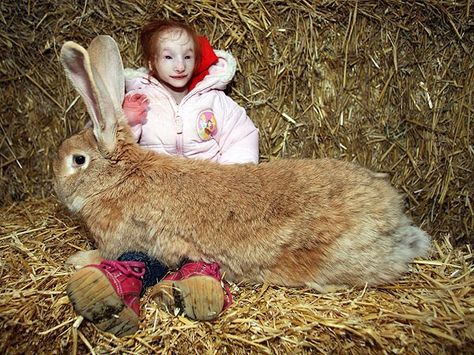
{"x": 135, "y": 107}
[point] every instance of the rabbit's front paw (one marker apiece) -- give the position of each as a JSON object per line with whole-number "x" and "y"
{"x": 84, "y": 258}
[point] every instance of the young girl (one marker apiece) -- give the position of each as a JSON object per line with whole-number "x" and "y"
{"x": 175, "y": 106}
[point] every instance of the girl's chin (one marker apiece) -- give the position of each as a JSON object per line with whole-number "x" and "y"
{"x": 176, "y": 87}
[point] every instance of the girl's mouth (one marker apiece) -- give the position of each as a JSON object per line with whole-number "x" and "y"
{"x": 179, "y": 77}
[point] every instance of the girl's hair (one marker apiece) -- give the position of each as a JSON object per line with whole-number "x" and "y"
{"x": 153, "y": 29}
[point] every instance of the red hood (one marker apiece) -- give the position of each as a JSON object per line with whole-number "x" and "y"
{"x": 208, "y": 58}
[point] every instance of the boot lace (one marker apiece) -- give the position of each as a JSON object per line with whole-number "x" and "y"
{"x": 128, "y": 268}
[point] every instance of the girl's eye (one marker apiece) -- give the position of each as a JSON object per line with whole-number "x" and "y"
{"x": 188, "y": 57}
{"x": 78, "y": 159}
{"x": 168, "y": 57}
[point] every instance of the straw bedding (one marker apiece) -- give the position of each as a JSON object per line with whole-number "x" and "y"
{"x": 387, "y": 84}
{"x": 430, "y": 310}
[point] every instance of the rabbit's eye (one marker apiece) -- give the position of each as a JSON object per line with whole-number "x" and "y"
{"x": 78, "y": 159}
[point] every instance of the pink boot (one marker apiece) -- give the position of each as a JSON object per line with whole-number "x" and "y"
{"x": 108, "y": 295}
{"x": 196, "y": 289}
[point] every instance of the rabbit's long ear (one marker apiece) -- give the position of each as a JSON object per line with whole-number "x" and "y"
{"x": 108, "y": 69}
{"x": 97, "y": 74}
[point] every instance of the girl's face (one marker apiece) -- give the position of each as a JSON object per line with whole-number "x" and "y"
{"x": 174, "y": 60}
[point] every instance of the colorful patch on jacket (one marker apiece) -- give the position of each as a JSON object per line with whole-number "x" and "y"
{"x": 207, "y": 125}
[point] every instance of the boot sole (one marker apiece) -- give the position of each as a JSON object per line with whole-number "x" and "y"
{"x": 94, "y": 298}
{"x": 198, "y": 297}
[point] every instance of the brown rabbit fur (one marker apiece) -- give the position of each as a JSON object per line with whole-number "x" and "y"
{"x": 287, "y": 222}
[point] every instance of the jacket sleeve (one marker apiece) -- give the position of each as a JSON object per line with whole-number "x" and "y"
{"x": 238, "y": 138}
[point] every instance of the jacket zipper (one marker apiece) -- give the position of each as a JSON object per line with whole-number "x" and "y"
{"x": 179, "y": 132}
{"x": 179, "y": 125}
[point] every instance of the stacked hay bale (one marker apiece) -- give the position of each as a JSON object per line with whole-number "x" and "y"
{"x": 387, "y": 84}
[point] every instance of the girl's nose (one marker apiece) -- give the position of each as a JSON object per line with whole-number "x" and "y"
{"x": 179, "y": 66}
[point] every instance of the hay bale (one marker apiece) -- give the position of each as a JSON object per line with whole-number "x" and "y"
{"x": 387, "y": 84}
{"x": 430, "y": 310}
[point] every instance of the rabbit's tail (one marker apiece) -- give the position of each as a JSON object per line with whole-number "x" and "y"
{"x": 374, "y": 259}
{"x": 412, "y": 242}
